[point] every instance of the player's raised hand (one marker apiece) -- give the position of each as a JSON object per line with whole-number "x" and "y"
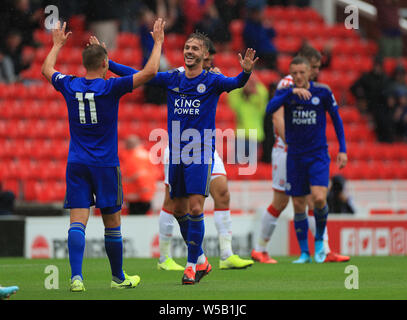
{"x": 59, "y": 37}
{"x": 94, "y": 40}
{"x": 158, "y": 30}
{"x": 342, "y": 160}
{"x": 248, "y": 61}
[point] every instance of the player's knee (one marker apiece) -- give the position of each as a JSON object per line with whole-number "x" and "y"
{"x": 280, "y": 205}
{"x": 319, "y": 200}
{"x": 299, "y": 204}
{"x": 222, "y": 199}
{"x": 168, "y": 205}
{"x": 195, "y": 210}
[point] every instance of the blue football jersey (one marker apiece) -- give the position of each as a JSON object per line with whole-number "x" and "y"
{"x": 305, "y": 120}
{"x": 191, "y": 104}
{"x": 93, "y": 115}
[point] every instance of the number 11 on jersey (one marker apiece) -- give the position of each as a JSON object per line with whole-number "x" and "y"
{"x": 90, "y": 96}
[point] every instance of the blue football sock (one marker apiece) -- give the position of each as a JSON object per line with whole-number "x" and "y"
{"x": 76, "y": 248}
{"x": 321, "y": 217}
{"x": 196, "y": 233}
{"x": 301, "y": 230}
{"x": 114, "y": 251}
{"x": 183, "y": 222}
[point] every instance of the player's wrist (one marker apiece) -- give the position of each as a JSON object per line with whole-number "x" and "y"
{"x": 58, "y": 45}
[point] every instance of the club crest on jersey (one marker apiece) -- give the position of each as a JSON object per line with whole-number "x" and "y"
{"x": 315, "y": 101}
{"x": 201, "y": 88}
{"x": 59, "y": 76}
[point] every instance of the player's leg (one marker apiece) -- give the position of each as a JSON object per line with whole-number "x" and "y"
{"x": 319, "y": 194}
{"x": 319, "y": 180}
{"x": 78, "y": 198}
{"x": 196, "y": 234}
{"x": 268, "y": 224}
{"x": 223, "y": 222}
{"x": 279, "y": 203}
{"x": 181, "y": 208}
{"x": 107, "y": 182}
{"x": 297, "y": 187}
{"x": 312, "y": 226}
{"x": 331, "y": 256}
{"x": 166, "y": 231}
{"x": 197, "y": 183}
{"x": 301, "y": 228}
{"x": 114, "y": 249}
{"x": 220, "y": 193}
{"x": 76, "y": 246}
{"x": 179, "y": 197}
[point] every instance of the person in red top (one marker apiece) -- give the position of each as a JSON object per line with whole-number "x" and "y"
{"x": 139, "y": 177}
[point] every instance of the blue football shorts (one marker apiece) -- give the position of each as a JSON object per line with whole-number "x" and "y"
{"x": 306, "y": 170}
{"x": 187, "y": 179}
{"x": 85, "y": 183}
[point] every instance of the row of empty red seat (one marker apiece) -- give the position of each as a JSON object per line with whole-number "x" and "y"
{"x": 34, "y": 133}
{"x": 44, "y": 181}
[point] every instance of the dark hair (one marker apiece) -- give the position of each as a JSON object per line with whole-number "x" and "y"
{"x": 200, "y": 36}
{"x": 212, "y": 49}
{"x": 300, "y": 60}
{"x": 310, "y": 53}
{"x": 338, "y": 183}
{"x": 92, "y": 56}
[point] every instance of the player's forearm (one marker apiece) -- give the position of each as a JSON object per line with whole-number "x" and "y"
{"x": 48, "y": 67}
{"x": 120, "y": 69}
{"x": 340, "y": 132}
{"x": 277, "y": 101}
{"x": 236, "y": 82}
{"x": 278, "y": 123}
{"x": 151, "y": 67}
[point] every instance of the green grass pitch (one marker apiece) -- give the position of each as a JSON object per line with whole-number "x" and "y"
{"x": 378, "y": 278}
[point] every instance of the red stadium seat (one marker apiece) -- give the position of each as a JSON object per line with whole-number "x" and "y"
{"x": 287, "y": 44}
{"x": 268, "y": 77}
{"x": 12, "y": 185}
{"x": 43, "y": 36}
{"x": 226, "y": 60}
{"x": 350, "y": 115}
{"x": 176, "y": 58}
{"x": 283, "y": 63}
{"x": 127, "y": 40}
{"x": 174, "y": 42}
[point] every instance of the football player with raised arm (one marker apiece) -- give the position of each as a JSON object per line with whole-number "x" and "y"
{"x": 192, "y": 97}
{"x": 93, "y": 168}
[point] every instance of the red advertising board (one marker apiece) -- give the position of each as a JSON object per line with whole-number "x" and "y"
{"x": 360, "y": 237}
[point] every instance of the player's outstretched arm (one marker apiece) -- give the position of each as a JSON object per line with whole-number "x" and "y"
{"x": 230, "y": 83}
{"x": 59, "y": 38}
{"x": 153, "y": 63}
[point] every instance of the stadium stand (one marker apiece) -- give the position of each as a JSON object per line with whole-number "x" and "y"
{"x": 34, "y": 133}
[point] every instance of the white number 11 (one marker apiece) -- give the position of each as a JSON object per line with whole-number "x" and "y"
{"x": 90, "y": 96}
